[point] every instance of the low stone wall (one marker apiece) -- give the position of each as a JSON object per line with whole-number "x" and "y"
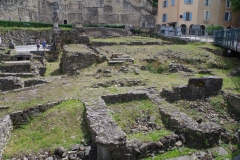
{"x": 10, "y": 83}
{"x": 22, "y": 117}
{"x": 51, "y": 56}
{"x": 120, "y": 98}
{"x": 105, "y": 132}
{"x": 6, "y": 57}
{"x": 16, "y": 68}
{"x": 197, "y": 88}
{"x": 106, "y": 32}
{"x": 5, "y": 130}
{"x": 97, "y": 44}
{"x": 233, "y": 100}
{"x": 177, "y": 40}
{"x": 120, "y": 83}
{"x": 21, "y": 75}
{"x": 74, "y": 59}
{"x": 197, "y": 135}
{"x": 34, "y": 82}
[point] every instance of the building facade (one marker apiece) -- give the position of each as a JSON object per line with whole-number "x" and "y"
{"x": 186, "y": 13}
{"x": 129, "y": 12}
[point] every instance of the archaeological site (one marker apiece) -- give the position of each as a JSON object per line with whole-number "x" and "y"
{"x": 110, "y": 92}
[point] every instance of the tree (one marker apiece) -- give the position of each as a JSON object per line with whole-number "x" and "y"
{"x": 236, "y": 5}
{"x": 155, "y": 3}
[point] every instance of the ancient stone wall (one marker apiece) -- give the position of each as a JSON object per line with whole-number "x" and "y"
{"x": 16, "y": 68}
{"x": 77, "y": 57}
{"x": 5, "y": 130}
{"x": 197, "y": 135}
{"x": 22, "y": 117}
{"x": 131, "y": 12}
{"x": 197, "y": 88}
{"x": 233, "y": 100}
{"x": 10, "y": 83}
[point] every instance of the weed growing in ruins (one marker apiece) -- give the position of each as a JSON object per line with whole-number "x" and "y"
{"x": 128, "y": 115}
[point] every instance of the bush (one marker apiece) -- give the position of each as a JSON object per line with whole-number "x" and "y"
{"x": 210, "y": 29}
{"x": 30, "y": 24}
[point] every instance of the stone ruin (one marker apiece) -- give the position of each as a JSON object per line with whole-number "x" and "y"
{"x": 11, "y": 83}
{"x": 112, "y": 143}
{"x": 197, "y": 88}
{"x": 76, "y": 57}
{"x": 111, "y": 140}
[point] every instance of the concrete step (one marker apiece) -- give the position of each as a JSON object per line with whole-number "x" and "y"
{"x": 123, "y": 59}
{"x": 115, "y": 62}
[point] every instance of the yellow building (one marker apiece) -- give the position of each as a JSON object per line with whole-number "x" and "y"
{"x": 185, "y": 13}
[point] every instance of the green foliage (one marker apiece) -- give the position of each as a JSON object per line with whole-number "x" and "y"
{"x": 157, "y": 69}
{"x": 236, "y": 5}
{"x": 211, "y": 29}
{"x": 30, "y": 24}
{"x": 105, "y": 25}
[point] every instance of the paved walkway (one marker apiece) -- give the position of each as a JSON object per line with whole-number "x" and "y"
{"x": 29, "y": 48}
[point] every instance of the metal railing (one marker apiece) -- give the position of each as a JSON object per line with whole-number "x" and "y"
{"x": 192, "y": 34}
{"x": 228, "y": 38}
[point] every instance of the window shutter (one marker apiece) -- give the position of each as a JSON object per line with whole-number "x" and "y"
{"x": 208, "y": 15}
{"x": 209, "y": 2}
{"x": 184, "y": 16}
{"x": 166, "y": 3}
{"x": 162, "y": 4}
{"x": 173, "y": 2}
{"x": 162, "y": 18}
{"x": 230, "y": 16}
{"x": 185, "y": 1}
{"x": 192, "y": 1}
{"x": 190, "y": 16}
{"x": 166, "y": 17}
{"x": 224, "y": 16}
{"x": 205, "y": 13}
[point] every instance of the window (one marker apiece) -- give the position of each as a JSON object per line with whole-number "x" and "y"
{"x": 206, "y": 15}
{"x": 228, "y": 3}
{"x": 143, "y": 24}
{"x": 187, "y": 16}
{"x": 65, "y": 21}
{"x": 227, "y": 16}
{"x": 173, "y": 2}
{"x": 164, "y": 18}
{"x": 188, "y": 1}
{"x": 207, "y": 3}
{"x": 165, "y": 3}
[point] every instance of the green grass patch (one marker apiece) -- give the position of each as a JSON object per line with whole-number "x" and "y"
{"x": 126, "y": 39}
{"x": 172, "y": 154}
{"x": 63, "y": 125}
{"x": 52, "y": 69}
{"x": 125, "y": 115}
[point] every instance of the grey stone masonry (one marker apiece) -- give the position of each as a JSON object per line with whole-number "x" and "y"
{"x": 197, "y": 88}
{"x": 105, "y": 132}
{"x": 197, "y": 135}
{"x": 120, "y": 98}
{"x": 233, "y": 100}
{"x": 16, "y": 67}
{"x": 34, "y": 82}
{"x": 22, "y": 117}
{"x": 5, "y": 130}
{"x": 10, "y": 83}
